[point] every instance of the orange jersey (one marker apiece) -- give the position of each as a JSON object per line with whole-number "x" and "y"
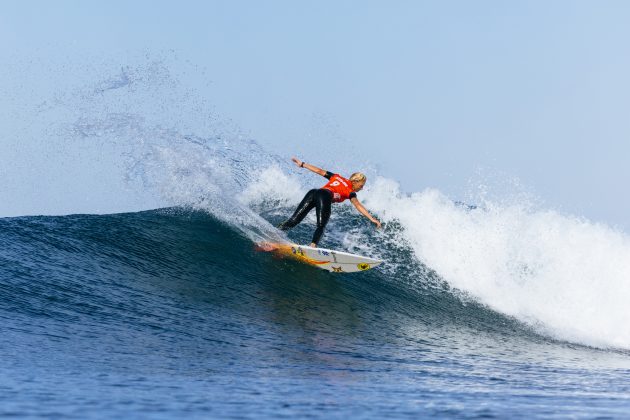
{"x": 340, "y": 187}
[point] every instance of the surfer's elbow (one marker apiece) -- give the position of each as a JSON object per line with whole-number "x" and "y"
{"x": 360, "y": 208}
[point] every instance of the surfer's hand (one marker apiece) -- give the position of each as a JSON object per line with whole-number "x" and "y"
{"x": 377, "y": 223}
{"x": 297, "y": 161}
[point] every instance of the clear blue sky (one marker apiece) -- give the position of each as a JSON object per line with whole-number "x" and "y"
{"x": 430, "y": 91}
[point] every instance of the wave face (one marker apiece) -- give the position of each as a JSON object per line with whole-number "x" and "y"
{"x": 176, "y": 308}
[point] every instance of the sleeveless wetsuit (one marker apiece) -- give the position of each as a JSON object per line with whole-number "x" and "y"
{"x": 336, "y": 190}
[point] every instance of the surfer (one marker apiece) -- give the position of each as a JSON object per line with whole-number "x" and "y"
{"x": 336, "y": 190}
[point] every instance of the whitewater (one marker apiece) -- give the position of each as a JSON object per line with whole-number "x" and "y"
{"x": 503, "y": 298}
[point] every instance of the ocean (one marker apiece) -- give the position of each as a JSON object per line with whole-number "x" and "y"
{"x": 495, "y": 308}
{"x": 172, "y": 313}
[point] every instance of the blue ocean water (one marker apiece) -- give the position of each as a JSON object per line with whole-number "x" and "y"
{"x": 172, "y": 313}
{"x": 493, "y": 308}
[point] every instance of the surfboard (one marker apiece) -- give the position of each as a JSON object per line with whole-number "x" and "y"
{"x": 326, "y": 259}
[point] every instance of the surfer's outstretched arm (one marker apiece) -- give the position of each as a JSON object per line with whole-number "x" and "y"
{"x": 310, "y": 167}
{"x": 355, "y": 201}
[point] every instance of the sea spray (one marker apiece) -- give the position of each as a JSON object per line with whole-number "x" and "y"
{"x": 203, "y": 173}
{"x": 564, "y": 275}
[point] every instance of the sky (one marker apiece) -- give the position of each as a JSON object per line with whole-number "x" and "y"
{"x": 435, "y": 94}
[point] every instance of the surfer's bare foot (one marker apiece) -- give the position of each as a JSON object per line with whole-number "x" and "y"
{"x": 313, "y": 245}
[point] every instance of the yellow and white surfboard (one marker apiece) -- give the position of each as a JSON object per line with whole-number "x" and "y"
{"x": 326, "y": 259}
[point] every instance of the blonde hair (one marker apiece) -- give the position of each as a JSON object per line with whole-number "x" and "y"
{"x": 358, "y": 177}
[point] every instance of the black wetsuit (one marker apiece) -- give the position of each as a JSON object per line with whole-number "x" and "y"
{"x": 320, "y": 199}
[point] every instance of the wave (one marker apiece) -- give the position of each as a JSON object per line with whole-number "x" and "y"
{"x": 100, "y": 266}
{"x": 562, "y": 276}
{"x": 90, "y": 272}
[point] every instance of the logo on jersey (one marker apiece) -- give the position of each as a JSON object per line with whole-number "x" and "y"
{"x": 337, "y": 182}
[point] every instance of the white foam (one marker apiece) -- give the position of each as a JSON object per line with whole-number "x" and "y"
{"x": 271, "y": 184}
{"x": 564, "y": 275}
